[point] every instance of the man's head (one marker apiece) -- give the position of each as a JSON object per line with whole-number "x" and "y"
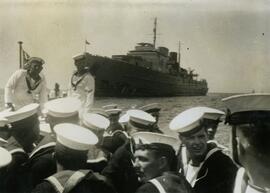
{"x": 192, "y": 132}
{"x": 34, "y": 65}
{"x": 153, "y": 109}
{"x": 139, "y": 120}
{"x": 96, "y": 123}
{"x": 154, "y": 155}
{"x": 73, "y": 144}
{"x": 25, "y": 125}
{"x": 211, "y": 119}
{"x": 196, "y": 143}
{"x": 62, "y": 110}
{"x": 82, "y": 65}
{"x": 114, "y": 115}
{"x": 250, "y": 120}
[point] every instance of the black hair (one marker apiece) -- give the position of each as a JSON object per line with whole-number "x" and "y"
{"x": 161, "y": 150}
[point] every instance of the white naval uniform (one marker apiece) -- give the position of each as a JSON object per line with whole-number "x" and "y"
{"x": 84, "y": 90}
{"x": 16, "y": 90}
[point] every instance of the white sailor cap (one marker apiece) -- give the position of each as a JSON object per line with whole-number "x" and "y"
{"x": 110, "y": 106}
{"x": 187, "y": 121}
{"x": 3, "y": 121}
{"x": 75, "y": 137}
{"x": 63, "y": 107}
{"x": 99, "y": 111}
{"x": 140, "y": 117}
{"x": 5, "y": 157}
{"x": 150, "y": 137}
{"x": 210, "y": 113}
{"x": 95, "y": 121}
{"x": 113, "y": 111}
{"x": 124, "y": 118}
{"x": 150, "y": 108}
{"x": 22, "y": 113}
{"x": 248, "y": 108}
{"x": 35, "y": 59}
{"x": 79, "y": 56}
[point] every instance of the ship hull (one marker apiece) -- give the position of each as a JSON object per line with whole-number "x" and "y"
{"x": 115, "y": 78}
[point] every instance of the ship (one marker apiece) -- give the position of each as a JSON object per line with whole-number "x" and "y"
{"x": 145, "y": 71}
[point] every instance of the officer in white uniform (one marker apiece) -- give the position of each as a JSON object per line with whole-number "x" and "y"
{"x": 26, "y": 85}
{"x": 82, "y": 84}
{"x": 249, "y": 116}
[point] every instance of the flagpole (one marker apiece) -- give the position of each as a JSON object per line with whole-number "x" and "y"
{"x": 20, "y": 52}
{"x": 85, "y": 46}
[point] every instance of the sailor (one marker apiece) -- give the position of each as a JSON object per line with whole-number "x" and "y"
{"x": 120, "y": 168}
{"x": 209, "y": 169}
{"x": 114, "y": 135}
{"x": 114, "y": 117}
{"x": 24, "y": 132}
{"x": 24, "y": 125}
{"x": 97, "y": 156}
{"x": 41, "y": 161}
{"x": 210, "y": 120}
{"x": 82, "y": 83}
{"x": 26, "y": 85}
{"x": 155, "y": 161}
{"x": 62, "y": 110}
{"x": 73, "y": 143}
{"x": 139, "y": 121}
{"x": 153, "y": 109}
{"x": 5, "y": 160}
{"x": 249, "y": 117}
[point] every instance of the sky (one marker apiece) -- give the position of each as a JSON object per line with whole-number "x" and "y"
{"x": 225, "y": 42}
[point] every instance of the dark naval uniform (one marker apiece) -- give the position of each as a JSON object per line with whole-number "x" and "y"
{"x": 216, "y": 174}
{"x": 97, "y": 159}
{"x": 82, "y": 181}
{"x": 113, "y": 141}
{"x": 120, "y": 170}
{"x": 16, "y": 171}
{"x": 42, "y": 163}
{"x": 167, "y": 183}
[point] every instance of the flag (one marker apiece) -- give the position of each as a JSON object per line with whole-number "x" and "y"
{"x": 86, "y": 42}
{"x": 25, "y": 56}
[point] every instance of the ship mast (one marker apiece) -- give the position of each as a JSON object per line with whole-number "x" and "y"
{"x": 179, "y": 54}
{"x": 155, "y": 32}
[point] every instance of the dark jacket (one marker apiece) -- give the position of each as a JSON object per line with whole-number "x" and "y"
{"x": 168, "y": 183}
{"x": 15, "y": 180}
{"x": 216, "y": 175}
{"x": 82, "y": 181}
{"x": 121, "y": 171}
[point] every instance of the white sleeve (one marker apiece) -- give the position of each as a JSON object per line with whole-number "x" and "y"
{"x": 10, "y": 86}
{"x": 43, "y": 98}
{"x": 90, "y": 89}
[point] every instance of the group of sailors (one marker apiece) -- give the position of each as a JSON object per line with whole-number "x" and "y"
{"x": 76, "y": 148}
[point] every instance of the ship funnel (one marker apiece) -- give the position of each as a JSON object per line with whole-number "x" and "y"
{"x": 173, "y": 56}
